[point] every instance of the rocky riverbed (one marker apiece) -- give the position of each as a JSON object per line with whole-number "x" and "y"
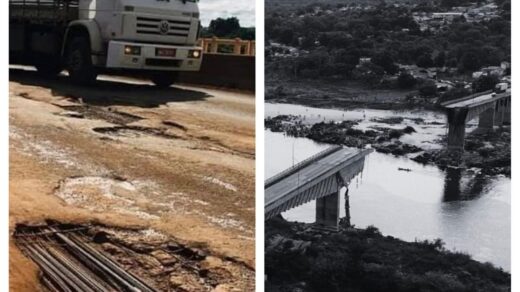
{"x": 489, "y": 152}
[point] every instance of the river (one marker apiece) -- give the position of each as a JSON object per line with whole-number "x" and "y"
{"x": 469, "y": 212}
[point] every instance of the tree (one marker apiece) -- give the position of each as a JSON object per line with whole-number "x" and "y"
{"x": 308, "y": 42}
{"x": 369, "y": 73}
{"x": 247, "y": 33}
{"x": 506, "y": 6}
{"x": 349, "y": 59}
{"x": 286, "y": 36}
{"x": 425, "y": 61}
{"x": 452, "y": 3}
{"x": 440, "y": 59}
{"x": 485, "y": 82}
{"x": 406, "y": 80}
{"x": 386, "y": 61}
{"x": 221, "y": 27}
{"x": 469, "y": 61}
{"x": 452, "y": 63}
{"x": 421, "y": 51}
{"x": 428, "y": 89}
{"x": 454, "y": 93}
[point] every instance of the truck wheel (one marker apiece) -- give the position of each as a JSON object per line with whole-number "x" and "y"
{"x": 49, "y": 69}
{"x": 79, "y": 61}
{"x": 164, "y": 80}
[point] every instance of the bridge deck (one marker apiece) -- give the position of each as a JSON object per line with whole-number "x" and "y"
{"x": 316, "y": 169}
{"x": 477, "y": 100}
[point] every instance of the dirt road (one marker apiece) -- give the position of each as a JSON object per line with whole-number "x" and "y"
{"x": 122, "y": 153}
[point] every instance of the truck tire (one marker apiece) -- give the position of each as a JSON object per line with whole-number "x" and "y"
{"x": 164, "y": 79}
{"x": 79, "y": 61}
{"x": 48, "y": 69}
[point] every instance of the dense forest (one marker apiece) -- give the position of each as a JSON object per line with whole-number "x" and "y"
{"x": 331, "y": 40}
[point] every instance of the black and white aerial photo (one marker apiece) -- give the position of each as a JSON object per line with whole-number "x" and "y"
{"x": 388, "y": 145}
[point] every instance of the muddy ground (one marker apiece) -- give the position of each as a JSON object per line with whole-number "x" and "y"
{"x": 179, "y": 161}
{"x": 342, "y": 94}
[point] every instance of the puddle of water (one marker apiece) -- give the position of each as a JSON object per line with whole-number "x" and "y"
{"x": 218, "y": 182}
{"x": 97, "y": 193}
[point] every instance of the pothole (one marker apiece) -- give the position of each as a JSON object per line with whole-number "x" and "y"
{"x": 94, "y": 257}
{"x": 100, "y": 113}
{"x": 27, "y": 95}
{"x": 102, "y": 194}
{"x": 135, "y": 132}
{"x": 175, "y": 125}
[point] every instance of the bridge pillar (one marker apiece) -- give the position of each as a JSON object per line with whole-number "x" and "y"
{"x": 347, "y": 209}
{"x": 499, "y": 112}
{"x": 456, "y": 128}
{"x": 486, "y": 120}
{"x": 327, "y": 211}
{"x": 456, "y": 135}
{"x": 507, "y": 111}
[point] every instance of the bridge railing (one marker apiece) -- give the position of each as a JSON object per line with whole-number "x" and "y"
{"x": 272, "y": 180}
{"x": 237, "y": 47}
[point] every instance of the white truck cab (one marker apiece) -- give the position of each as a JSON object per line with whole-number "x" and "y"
{"x": 157, "y": 37}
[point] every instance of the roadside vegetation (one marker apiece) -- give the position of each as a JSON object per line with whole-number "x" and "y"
{"x": 228, "y": 28}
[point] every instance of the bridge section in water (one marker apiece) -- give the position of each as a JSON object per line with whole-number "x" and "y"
{"x": 320, "y": 178}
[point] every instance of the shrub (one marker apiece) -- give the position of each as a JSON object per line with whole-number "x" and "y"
{"x": 454, "y": 93}
{"x": 372, "y": 230}
{"x": 406, "y": 80}
{"x": 428, "y": 90}
{"x": 425, "y": 61}
{"x": 485, "y": 82}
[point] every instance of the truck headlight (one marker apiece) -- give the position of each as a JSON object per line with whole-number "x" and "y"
{"x": 195, "y": 54}
{"x": 133, "y": 50}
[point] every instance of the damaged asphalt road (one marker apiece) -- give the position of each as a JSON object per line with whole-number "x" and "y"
{"x": 124, "y": 153}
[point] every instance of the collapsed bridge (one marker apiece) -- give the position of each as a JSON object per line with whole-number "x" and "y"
{"x": 320, "y": 177}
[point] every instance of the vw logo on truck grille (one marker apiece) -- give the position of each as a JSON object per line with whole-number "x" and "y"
{"x": 164, "y": 27}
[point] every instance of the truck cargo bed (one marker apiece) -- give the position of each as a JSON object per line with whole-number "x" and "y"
{"x": 43, "y": 11}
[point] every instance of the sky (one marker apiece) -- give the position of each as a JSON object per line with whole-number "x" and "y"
{"x": 244, "y": 10}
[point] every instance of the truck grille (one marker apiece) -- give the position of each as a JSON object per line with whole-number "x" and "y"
{"x": 154, "y": 26}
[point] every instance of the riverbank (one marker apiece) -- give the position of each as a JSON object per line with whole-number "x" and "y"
{"x": 299, "y": 259}
{"x": 343, "y": 94}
